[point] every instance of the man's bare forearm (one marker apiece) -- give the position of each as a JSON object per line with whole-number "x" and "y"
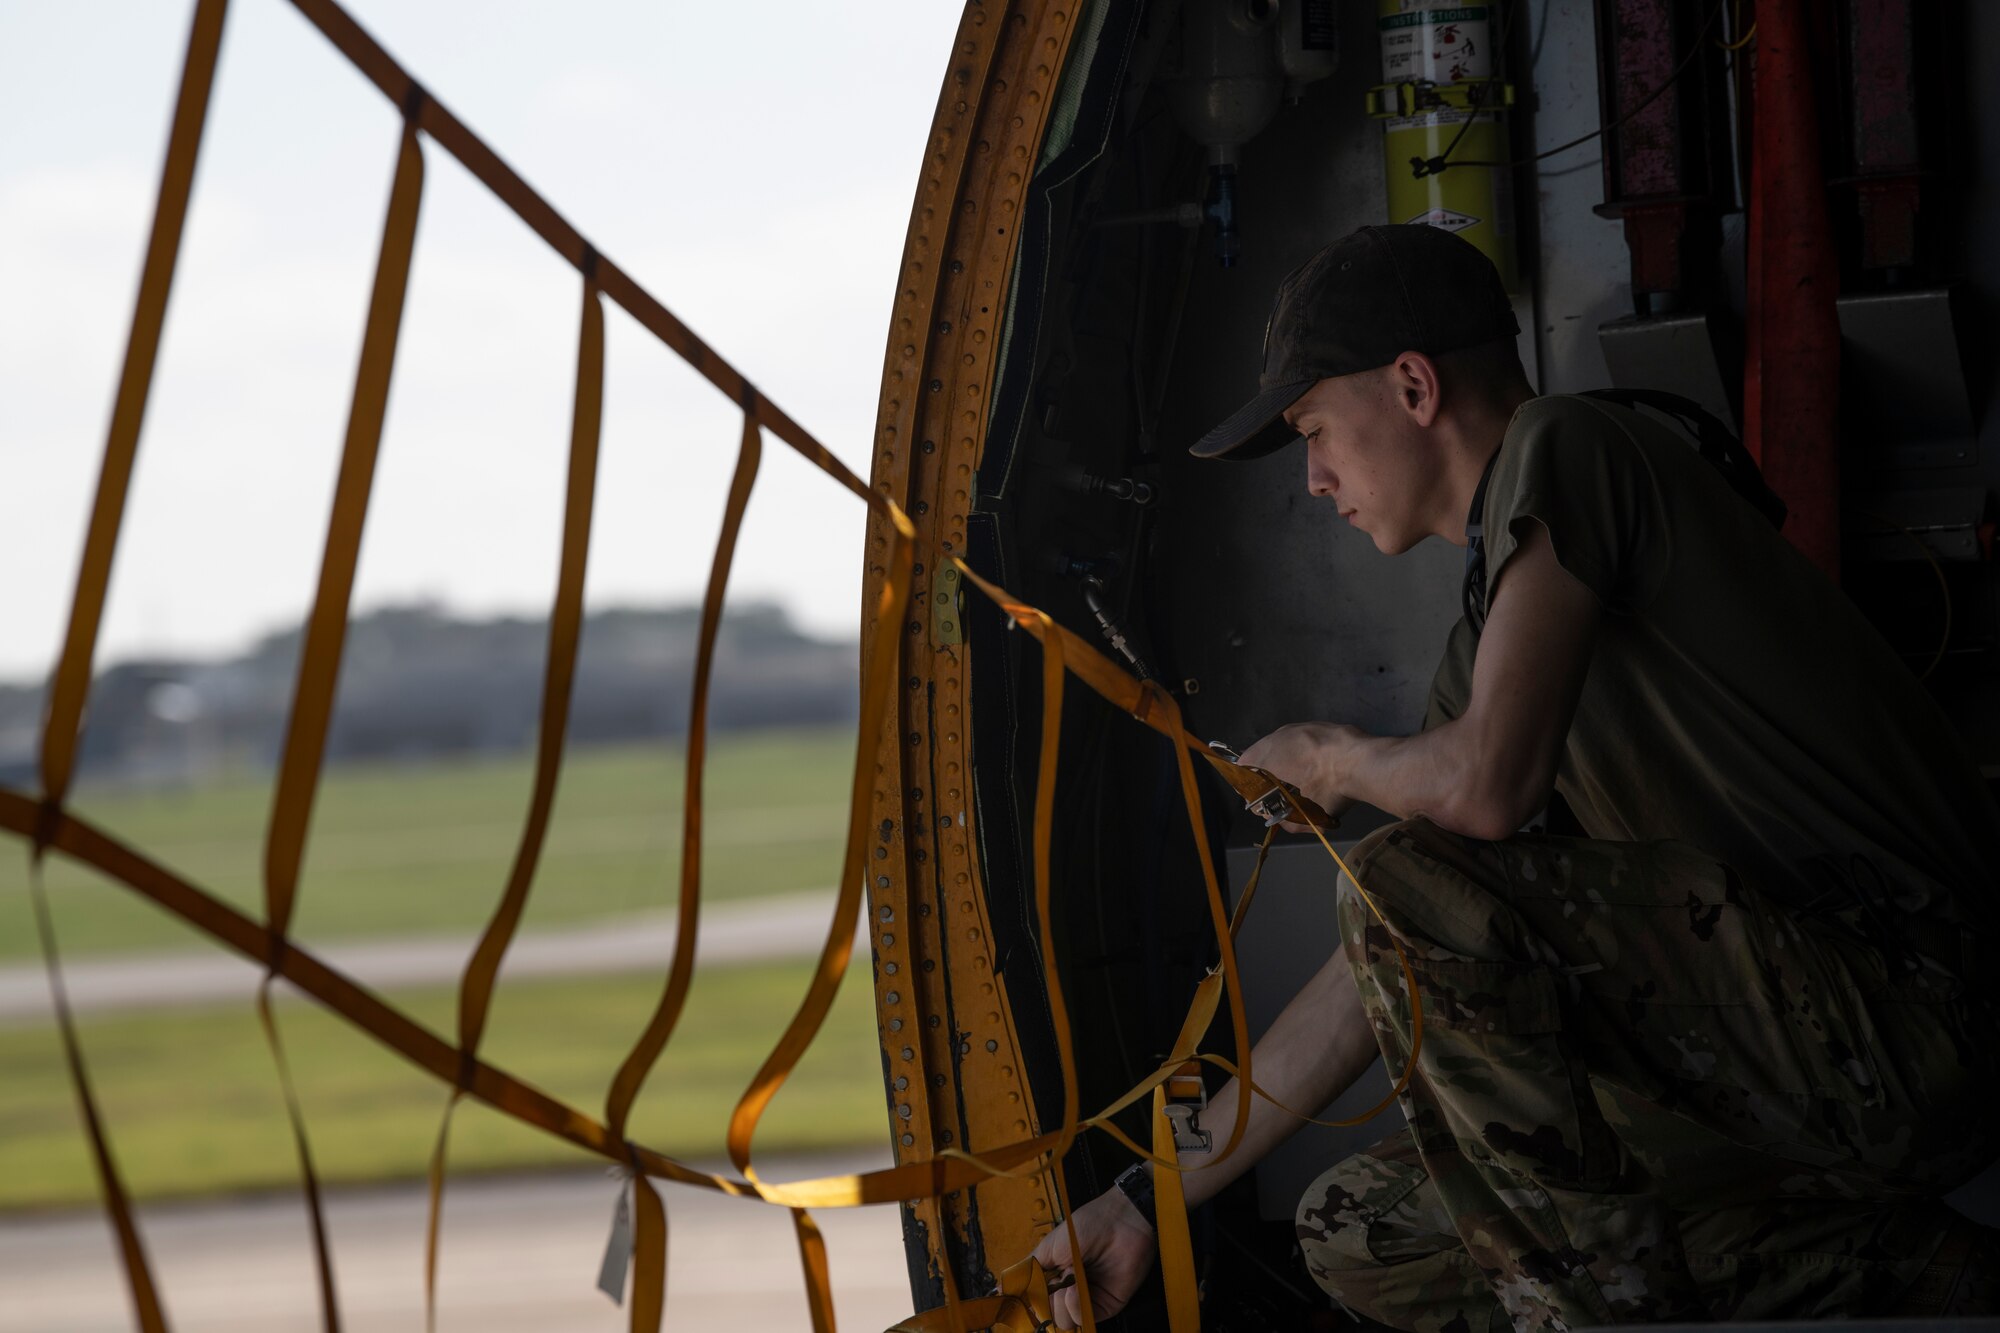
{"x": 1446, "y": 774}
{"x": 1493, "y": 766}
{"x": 1315, "y": 1050}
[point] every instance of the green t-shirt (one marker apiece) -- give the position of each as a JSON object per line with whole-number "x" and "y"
{"x": 1737, "y": 700}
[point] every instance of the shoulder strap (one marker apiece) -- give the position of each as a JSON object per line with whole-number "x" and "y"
{"x": 1472, "y": 589}
{"x": 1717, "y": 443}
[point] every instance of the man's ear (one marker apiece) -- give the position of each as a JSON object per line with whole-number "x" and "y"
{"x": 1413, "y": 378}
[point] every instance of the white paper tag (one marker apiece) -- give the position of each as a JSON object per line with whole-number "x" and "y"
{"x": 618, "y": 1250}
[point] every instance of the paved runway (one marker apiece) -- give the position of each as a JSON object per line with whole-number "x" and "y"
{"x": 790, "y": 925}
{"x": 520, "y": 1255}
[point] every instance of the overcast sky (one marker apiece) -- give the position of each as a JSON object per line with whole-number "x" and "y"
{"x": 752, "y": 165}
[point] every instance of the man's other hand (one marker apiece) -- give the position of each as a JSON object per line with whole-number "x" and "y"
{"x": 1118, "y": 1245}
{"x": 1307, "y": 755}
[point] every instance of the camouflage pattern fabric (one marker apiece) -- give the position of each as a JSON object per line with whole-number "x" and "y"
{"x": 1646, "y": 1092}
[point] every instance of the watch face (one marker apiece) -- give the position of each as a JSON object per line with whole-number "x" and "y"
{"x": 1136, "y": 1184}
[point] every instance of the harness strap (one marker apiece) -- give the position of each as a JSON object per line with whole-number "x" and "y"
{"x": 1472, "y": 591}
{"x": 1716, "y": 442}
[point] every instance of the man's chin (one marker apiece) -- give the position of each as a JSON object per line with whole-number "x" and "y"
{"x": 1390, "y": 543}
{"x": 1387, "y": 541}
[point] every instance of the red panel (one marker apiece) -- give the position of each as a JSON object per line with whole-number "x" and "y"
{"x": 1792, "y": 367}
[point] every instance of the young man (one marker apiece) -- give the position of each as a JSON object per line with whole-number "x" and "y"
{"x": 1720, "y": 1058}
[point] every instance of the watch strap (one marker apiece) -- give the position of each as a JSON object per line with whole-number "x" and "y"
{"x": 1136, "y": 1183}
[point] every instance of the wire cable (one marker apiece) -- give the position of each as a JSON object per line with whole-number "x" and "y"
{"x": 1420, "y": 166}
{"x": 1736, "y": 21}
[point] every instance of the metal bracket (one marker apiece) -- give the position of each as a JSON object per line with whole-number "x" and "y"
{"x": 1414, "y": 97}
{"x": 1915, "y": 525}
{"x": 947, "y": 626}
{"x": 1902, "y": 369}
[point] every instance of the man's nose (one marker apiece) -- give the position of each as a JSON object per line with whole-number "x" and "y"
{"x": 1320, "y": 481}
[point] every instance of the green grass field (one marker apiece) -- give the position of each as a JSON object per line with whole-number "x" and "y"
{"x": 396, "y": 849}
{"x": 193, "y": 1107}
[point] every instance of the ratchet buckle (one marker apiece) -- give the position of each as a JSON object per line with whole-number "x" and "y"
{"x": 1274, "y": 806}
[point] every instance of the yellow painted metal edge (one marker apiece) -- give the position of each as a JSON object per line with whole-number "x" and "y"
{"x": 953, "y": 1063}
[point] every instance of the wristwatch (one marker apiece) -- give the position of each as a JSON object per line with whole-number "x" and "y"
{"x": 1136, "y": 1183}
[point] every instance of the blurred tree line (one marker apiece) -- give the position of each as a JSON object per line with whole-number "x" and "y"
{"x": 417, "y": 682}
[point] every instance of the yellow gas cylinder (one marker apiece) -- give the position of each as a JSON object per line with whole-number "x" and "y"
{"x": 1438, "y": 72}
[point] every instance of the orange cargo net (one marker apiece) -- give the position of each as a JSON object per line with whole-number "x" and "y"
{"x": 46, "y": 824}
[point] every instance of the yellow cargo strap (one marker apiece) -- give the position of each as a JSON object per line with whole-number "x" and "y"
{"x": 70, "y": 684}
{"x": 649, "y": 1245}
{"x": 1054, "y": 678}
{"x": 1021, "y": 1305}
{"x": 482, "y": 971}
{"x": 320, "y": 653}
{"x": 650, "y": 1273}
{"x": 131, "y": 1248}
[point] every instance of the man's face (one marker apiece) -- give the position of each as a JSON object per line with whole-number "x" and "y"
{"x": 1366, "y": 454}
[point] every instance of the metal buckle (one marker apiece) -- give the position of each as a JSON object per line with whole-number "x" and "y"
{"x": 1187, "y": 1098}
{"x": 1273, "y": 807}
{"x": 1187, "y": 1136}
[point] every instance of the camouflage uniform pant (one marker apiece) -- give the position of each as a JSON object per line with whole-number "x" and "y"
{"x": 1645, "y": 1092}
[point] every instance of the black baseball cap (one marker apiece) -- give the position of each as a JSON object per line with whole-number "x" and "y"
{"x": 1360, "y": 303}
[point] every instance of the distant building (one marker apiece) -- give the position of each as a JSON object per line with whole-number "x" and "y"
{"x": 416, "y": 682}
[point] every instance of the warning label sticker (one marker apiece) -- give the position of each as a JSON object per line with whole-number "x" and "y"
{"x": 1421, "y": 18}
{"x": 1446, "y": 220}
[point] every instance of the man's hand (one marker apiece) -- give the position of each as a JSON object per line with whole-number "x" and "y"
{"x": 1309, "y": 756}
{"x": 1311, "y": 1054}
{"x": 1486, "y": 771}
{"x": 1118, "y": 1247}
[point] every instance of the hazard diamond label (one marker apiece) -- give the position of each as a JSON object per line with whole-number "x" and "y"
{"x": 1445, "y": 219}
